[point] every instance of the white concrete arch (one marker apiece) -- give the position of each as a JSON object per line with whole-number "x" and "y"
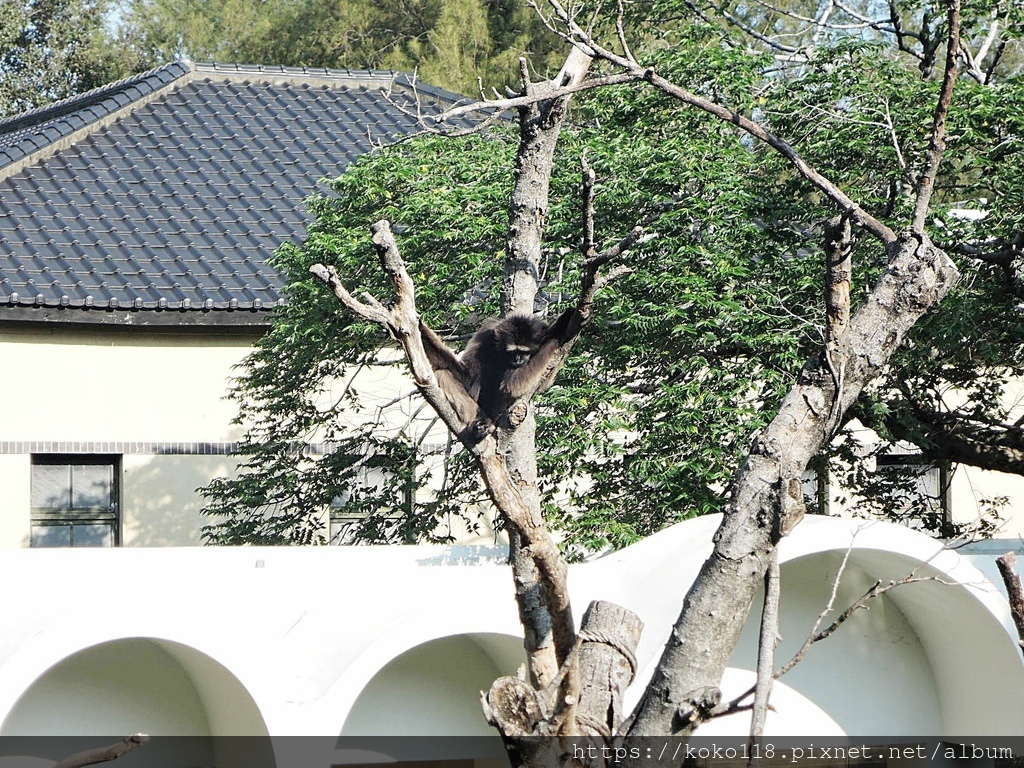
{"x": 133, "y": 684}
{"x": 931, "y": 658}
{"x": 957, "y": 630}
{"x": 433, "y": 687}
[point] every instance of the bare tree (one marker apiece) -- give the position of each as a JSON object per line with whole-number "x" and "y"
{"x": 561, "y": 694}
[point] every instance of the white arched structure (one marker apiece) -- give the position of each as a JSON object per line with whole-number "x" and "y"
{"x": 335, "y": 640}
{"x": 148, "y": 685}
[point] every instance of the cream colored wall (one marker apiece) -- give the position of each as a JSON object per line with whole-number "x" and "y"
{"x": 125, "y": 389}
{"x": 968, "y": 492}
{"x": 159, "y": 503}
{"x": 118, "y": 385}
{"x": 972, "y": 485}
{"x": 116, "y": 389}
{"x": 14, "y": 500}
{"x": 68, "y": 385}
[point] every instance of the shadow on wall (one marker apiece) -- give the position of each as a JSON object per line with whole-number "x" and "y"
{"x": 184, "y": 699}
{"x": 160, "y": 499}
{"x": 876, "y": 652}
{"x": 434, "y": 690}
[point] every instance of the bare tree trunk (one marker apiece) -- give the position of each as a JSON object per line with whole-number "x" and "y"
{"x": 548, "y": 637}
{"x": 767, "y": 496}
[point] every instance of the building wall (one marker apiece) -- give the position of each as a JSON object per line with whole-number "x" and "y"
{"x": 153, "y": 398}
{"x": 157, "y": 400}
{"x": 972, "y": 488}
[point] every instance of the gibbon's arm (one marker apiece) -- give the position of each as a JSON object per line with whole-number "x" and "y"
{"x": 454, "y": 378}
{"x": 533, "y": 376}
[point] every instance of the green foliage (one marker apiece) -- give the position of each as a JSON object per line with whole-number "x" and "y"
{"x": 51, "y": 50}
{"x": 693, "y": 348}
{"x": 655, "y": 411}
{"x": 451, "y": 43}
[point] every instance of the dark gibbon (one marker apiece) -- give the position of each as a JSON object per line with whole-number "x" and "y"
{"x": 504, "y": 360}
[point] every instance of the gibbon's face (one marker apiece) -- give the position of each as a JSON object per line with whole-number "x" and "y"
{"x": 518, "y": 354}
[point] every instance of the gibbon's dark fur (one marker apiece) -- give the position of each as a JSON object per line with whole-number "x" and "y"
{"x": 506, "y": 359}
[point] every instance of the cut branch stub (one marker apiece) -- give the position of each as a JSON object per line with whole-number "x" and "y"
{"x": 608, "y": 639}
{"x": 514, "y": 708}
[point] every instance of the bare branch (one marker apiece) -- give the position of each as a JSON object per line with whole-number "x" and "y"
{"x": 103, "y": 754}
{"x": 499, "y": 106}
{"x": 766, "y": 645}
{"x": 329, "y": 276}
{"x": 587, "y": 193}
{"x": 1008, "y": 570}
{"x": 401, "y": 321}
{"x": 838, "y": 275}
{"x": 802, "y": 651}
{"x": 632, "y": 70}
{"x": 937, "y": 144}
{"x": 620, "y": 31}
{"x": 876, "y": 590}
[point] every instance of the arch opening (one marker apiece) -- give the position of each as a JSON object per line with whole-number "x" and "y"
{"x": 188, "y": 702}
{"x": 433, "y": 689}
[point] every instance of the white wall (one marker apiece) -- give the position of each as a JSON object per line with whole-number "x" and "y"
{"x": 431, "y": 689}
{"x": 328, "y": 641}
{"x": 144, "y": 690}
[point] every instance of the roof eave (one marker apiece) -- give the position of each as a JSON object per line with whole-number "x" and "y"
{"x": 254, "y": 319}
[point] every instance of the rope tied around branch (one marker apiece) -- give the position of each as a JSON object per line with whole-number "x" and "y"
{"x": 597, "y": 636}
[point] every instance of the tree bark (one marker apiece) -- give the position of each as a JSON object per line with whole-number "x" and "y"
{"x": 766, "y": 500}
{"x": 103, "y": 754}
{"x": 1008, "y": 570}
{"x": 604, "y": 668}
{"x": 546, "y": 617}
{"x": 609, "y": 636}
{"x": 766, "y": 645}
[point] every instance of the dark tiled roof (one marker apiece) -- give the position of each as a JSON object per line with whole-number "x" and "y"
{"x": 169, "y": 190}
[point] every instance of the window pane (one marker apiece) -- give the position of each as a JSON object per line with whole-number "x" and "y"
{"x": 92, "y": 535}
{"x": 51, "y": 486}
{"x": 51, "y": 536}
{"x": 91, "y": 485}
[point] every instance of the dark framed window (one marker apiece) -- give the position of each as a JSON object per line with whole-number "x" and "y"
{"x": 925, "y": 492}
{"x": 367, "y": 502}
{"x": 75, "y": 500}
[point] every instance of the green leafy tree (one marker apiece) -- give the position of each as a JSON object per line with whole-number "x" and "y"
{"x": 451, "y": 43}
{"x": 693, "y": 349}
{"x": 713, "y": 371}
{"x": 51, "y": 50}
